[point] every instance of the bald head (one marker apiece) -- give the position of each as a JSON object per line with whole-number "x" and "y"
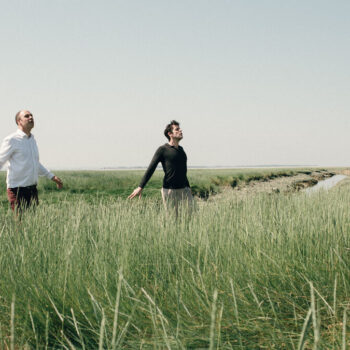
{"x": 18, "y": 116}
{"x": 25, "y": 121}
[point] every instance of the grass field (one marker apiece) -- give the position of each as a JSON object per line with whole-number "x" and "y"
{"x": 88, "y": 185}
{"x": 91, "y": 270}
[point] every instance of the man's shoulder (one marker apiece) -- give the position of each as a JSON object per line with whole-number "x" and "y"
{"x": 12, "y": 136}
{"x": 17, "y": 137}
{"x": 166, "y": 146}
{"x": 162, "y": 148}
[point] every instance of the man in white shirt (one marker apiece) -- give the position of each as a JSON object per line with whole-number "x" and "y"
{"x": 21, "y": 152}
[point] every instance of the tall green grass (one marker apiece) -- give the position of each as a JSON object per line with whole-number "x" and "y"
{"x": 268, "y": 271}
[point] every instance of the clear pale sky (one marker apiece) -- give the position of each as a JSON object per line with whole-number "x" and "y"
{"x": 251, "y": 82}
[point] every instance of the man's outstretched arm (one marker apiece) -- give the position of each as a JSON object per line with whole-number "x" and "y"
{"x": 45, "y": 172}
{"x": 148, "y": 174}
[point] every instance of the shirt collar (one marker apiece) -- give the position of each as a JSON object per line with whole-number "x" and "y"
{"x": 167, "y": 144}
{"x": 23, "y": 134}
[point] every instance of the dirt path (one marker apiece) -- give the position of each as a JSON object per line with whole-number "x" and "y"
{"x": 282, "y": 184}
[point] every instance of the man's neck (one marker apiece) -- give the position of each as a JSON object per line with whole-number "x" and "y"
{"x": 174, "y": 143}
{"x": 26, "y": 131}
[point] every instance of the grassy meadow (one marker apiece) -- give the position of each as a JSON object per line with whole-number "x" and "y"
{"x": 90, "y": 185}
{"x": 90, "y": 269}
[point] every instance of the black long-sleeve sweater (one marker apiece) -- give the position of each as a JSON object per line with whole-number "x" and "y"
{"x": 174, "y": 162}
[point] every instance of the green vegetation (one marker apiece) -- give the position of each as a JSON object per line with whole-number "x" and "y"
{"x": 91, "y": 270}
{"x": 88, "y": 185}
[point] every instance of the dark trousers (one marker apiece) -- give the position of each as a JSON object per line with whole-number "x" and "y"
{"x": 22, "y": 197}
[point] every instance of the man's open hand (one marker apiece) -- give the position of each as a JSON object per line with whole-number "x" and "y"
{"x": 137, "y": 192}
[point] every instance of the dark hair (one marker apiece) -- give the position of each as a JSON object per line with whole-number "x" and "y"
{"x": 17, "y": 117}
{"x": 169, "y": 128}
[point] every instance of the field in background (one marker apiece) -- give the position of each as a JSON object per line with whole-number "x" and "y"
{"x": 90, "y": 270}
{"x": 119, "y": 184}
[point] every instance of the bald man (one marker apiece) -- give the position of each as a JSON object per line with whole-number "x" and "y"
{"x": 21, "y": 152}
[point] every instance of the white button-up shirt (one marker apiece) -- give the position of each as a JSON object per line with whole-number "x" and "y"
{"x": 21, "y": 154}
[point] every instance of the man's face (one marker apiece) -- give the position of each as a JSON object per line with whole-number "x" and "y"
{"x": 26, "y": 120}
{"x": 176, "y": 133}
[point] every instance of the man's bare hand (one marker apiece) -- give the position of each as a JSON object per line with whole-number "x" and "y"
{"x": 137, "y": 192}
{"x": 58, "y": 182}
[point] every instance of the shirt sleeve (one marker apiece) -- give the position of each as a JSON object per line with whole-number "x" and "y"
{"x": 6, "y": 151}
{"x": 152, "y": 167}
{"x": 45, "y": 172}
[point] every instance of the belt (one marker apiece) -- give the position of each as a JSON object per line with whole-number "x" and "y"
{"x": 31, "y": 187}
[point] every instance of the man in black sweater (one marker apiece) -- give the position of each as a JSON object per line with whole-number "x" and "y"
{"x": 176, "y": 187}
